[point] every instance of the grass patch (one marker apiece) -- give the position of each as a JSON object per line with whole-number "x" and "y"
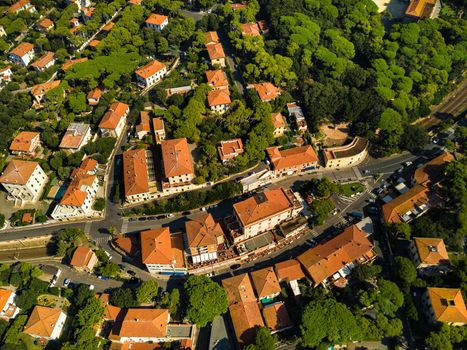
{"x": 351, "y": 188}
{"x": 29, "y": 342}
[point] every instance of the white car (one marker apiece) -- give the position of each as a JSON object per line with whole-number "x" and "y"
{"x": 66, "y": 282}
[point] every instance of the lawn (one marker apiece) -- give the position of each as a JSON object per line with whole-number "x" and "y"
{"x": 351, "y": 188}
{"x": 29, "y": 342}
{"x": 53, "y": 301}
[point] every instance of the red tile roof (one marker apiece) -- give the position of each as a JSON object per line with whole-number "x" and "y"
{"x": 290, "y": 270}
{"x": 431, "y": 251}
{"x": 202, "y": 231}
{"x": 218, "y": 97}
{"x": 42, "y": 321}
{"x": 150, "y": 69}
{"x": 18, "y": 172}
{"x": 246, "y": 319}
{"x": 267, "y": 91}
{"x": 23, "y": 141}
{"x": 230, "y": 149}
{"x": 217, "y": 78}
{"x": 278, "y": 120}
{"x": 44, "y": 60}
{"x": 46, "y": 23}
{"x": 81, "y": 257}
{"x": 135, "y": 173}
{"x": 17, "y": 5}
{"x": 399, "y": 206}
{"x": 41, "y": 89}
{"x": 251, "y": 29}
{"x": 276, "y": 316}
{"x": 176, "y": 157}
{"x": 22, "y": 49}
{"x": 448, "y": 305}
{"x": 433, "y": 171}
{"x": 292, "y": 157}
{"x": 75, "y": 194}
{"x": 265, "y": 282}
{"x": 215, "y": 51}
{"x": 68, "y": 64}
{"x": 113, "y": 115}
{"x": 239, "y": 289}
{"x": 211, "y": 38}
{"x": 156, "y": 19}
{"x": 143, "y": 323}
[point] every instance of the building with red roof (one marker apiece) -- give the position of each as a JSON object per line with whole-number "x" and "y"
{"x": 114, "y": 120}
{"x": 292, "y": 160}
{"x": 156, "y": 21}
{"x": 151, "y": 73}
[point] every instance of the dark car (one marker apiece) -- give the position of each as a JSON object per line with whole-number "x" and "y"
{"x": 142, "y": 219}
{"x": 160, "y": 217}
{"x": 131, "y": 273}
{"x": 235, "y": 266}
{"x": 186, "y": 213}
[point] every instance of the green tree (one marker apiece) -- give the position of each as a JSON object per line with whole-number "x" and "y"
{"x": 99, "y": 204}
{"x": 206, "y": 299}
{"x": 263, "y": 341}
{"x": 147, "y": 291}
{"x": 387, "y": 298}
{"x": 77, "y": 102}
{"x": 123, "y": 297}
{"x": 405, "y": 270}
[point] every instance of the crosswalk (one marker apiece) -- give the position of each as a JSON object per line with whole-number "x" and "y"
{"x": 87, "y": 227}
{"x": 102, "y": 240}
{"x": 124, "y": 228}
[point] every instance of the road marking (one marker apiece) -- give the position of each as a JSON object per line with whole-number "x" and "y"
{"x": 124, "y": 228}
{"x": 87, "y": 227}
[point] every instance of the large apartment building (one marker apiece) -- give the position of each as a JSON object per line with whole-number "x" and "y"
{"x": 204, "y": 238}
{"x": 445, "y": 305}
{"x": 23, "y": 180}
{"x": 80, "y": 194}
{"x": 293, "y": 160}
{"x": 77, "y": 135}
{"x": 137, "y": 183}
{"x": 264, "y": 211}
{"x": 348, "y": 155}
{"x": 177, "y": 162}
{"x": 26, "y": 143}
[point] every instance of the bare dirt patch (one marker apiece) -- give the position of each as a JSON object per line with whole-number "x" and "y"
{"x": 334, "y": 134}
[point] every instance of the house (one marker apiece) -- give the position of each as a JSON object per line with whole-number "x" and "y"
{"x": 408, "y": 206}
{"x": 80, "y": 3}
{"x": 329, "y": 263}
{"x": 135, "y": 2}
{"x": 346, "y": 156}
{"x": 211, "y": 38}
{"x": 266, "y": 284}
{"x": 276, "y": 317}
{"x": 45, "y": 322}
{"x": 162, "y": 253}
{"x": 238, "y": 6}
{"x": 216, "y": 54}
{"x": 239, "y": 289}
{"x": 291, "y": 272}
{"x": 263, "y": 211}
{"x": 87, "y": 13}
{"x": 219, "y": 100}
{"x": 39, "y": 91}
{"x": 2, "y": 31}
{"x": 250, "y": 29}
{"x": 114, "y": 120}
{"x": 429, "y": 255}
{"x": 141, "y": 326}
{"x": 68, "y": 64}
{"x": 77, "y": 135}
{"x": 296, "y": 112}
{"x": 80, "y": 193}
{"x": 151, "y": 73}
{"x": 26, "y": 143}
{"x": 159, "y": 129}
{"x": 420, "y": 9}
{"x": 135, "y": 176}
{"x": 144, "y": 126}
{"x": 157, "y": 22}
{"x": 279, "y": 123}
{"x": 230, "y": 149}
{"x": 445, "y": 305}
{"x": 44, "y": 62}
{"x": 23, "y": 180}
{"x": 292, "y": 160}
{"x": 5, "y": 75}
{"x": 22, "y": 5}
{"x": 8, "y": 308}
{"x": 108, "y": 27}
{"x": 22, "y": 54}
{"x": 433, "y": 172}
{"x": 74, "y": 23}
{"x": 84, "y": 259}
{"x": 266, "y": 91}
{"x": 111, "y": 313}
{"x": 217, "y": 79}
{"x": 204, "y": 238}
{"x": 94, "y": 43}
{"x": 94, "y": 96}
{"x": 45, "y": 25}
{"x": 177, "y": 162}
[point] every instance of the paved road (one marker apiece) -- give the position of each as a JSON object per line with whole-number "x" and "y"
{"x": 229, "y": 52}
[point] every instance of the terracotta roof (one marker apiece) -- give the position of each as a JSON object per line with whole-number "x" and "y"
{"x": 202, "y": 231}
{"x": 135, "y": 173}
{"x": 218, "y": 97}
{"x": 215, "y": 51}
{"x": 291, "y": 157}
{"x": 246, "y": 319}
{"x": 251, "y": 29}
{"x": 238, "y": 6}
{"x": 44, "y": 60}
{"x": 68, "y": 64}
{"x": 94, "y": 43}
{"x": 176, "y": 157}
{"x": 431, "y": 251}
{"x": 262, "y": 206}
{"x": 276, "y": 316}
{"x": 395, "y": 209}
{"x": 211, "y": 38}
{"x": 144, "y": 124}
{"x": 81, "y": 256}
{"x": 230, "y": 149}
{"x": 433, "y": 171}
{"x": 74, "y": 135}
{"x": 327, "y": 258}
{"x": 89, "y": 12}
{"x": 4, "y": 296}
{"x": 23, "y": 141}
{"x": 22, "y": 49}
{"x": 18, "y": 172}
{"x": 42, "y": 321}
{"x": 156, "y": 19}
{"x": 110, "y": 312}
{"x": 420, "y": 8}
{"x": 17, "y": 5}
{"x": 41, "y": 89}
{"x": 267, "y": 91}
{"x": 144, "y": 323}
{"x": 158, "y": 124}
{"x": 135, "y": 2}
{"x": 239, "y": 289}
{"x": 217, "y": 78}
{"x": 2, "y": 70}
{"x": 448, "y": 305}
{"x": 114, "y": 114}
{"x": 94, "y": 94}
{"x": 278, "y": 120}
{"x": 108, "y": 27}
{"x": 46, "y": 23}
{"x": 150, "y": 69}
{"x": 88, "y": 165}
{"x": 290, "y": 270}
{"x": 158, "y": 247}
{"x": 265, "y": 282}
{"x": 75, "y": 194}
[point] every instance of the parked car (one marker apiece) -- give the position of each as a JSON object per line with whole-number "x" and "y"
{"x": 186, "y": 212}
{"x": 235, "y": 266}
{"x": 104, "y": 278}
{"x": 66, "y": 282}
